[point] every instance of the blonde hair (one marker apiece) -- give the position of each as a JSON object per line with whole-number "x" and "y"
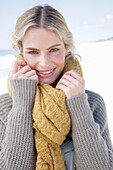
{"x": 42, "y": 17}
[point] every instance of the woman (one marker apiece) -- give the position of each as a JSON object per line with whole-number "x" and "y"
{"x": 43, "y": 84}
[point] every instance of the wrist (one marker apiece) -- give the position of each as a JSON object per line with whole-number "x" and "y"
{"x": 23, "y": 91}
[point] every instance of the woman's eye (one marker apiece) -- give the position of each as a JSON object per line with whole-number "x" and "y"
{"x": 33, "y": 52}
{"x": 54, "y": 50}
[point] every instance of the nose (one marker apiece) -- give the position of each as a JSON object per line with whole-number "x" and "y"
{"x": 44, "y": 61}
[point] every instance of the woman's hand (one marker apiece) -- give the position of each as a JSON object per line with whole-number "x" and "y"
{"x": 72, "y": 84}
{"x": 24, "y": 72}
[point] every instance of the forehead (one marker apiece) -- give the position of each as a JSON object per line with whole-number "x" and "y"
{"x": 41, "y": 37}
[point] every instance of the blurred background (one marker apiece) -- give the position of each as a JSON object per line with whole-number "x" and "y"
{"x": 88, "y": 20}
{"x": 91, "y": 23}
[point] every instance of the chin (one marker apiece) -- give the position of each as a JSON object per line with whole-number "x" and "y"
{"x": 46, "y": 81}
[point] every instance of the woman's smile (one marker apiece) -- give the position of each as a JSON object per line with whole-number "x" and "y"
{"x": 45, "y": 73}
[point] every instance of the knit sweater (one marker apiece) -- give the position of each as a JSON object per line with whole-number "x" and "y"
{"x": 90, "y": 148}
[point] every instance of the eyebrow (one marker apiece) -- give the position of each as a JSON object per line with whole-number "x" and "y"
{"x": 47, "y": 48}
{"x": 54, "y": 46}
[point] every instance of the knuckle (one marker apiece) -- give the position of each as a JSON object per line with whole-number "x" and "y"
{"x": 35, "y": 76}
{"x": 27, "y": 67}
{"x": 65, "y": 73}
{"x": 34, "y": 72}
{"x": 73, "y": 71}
{"x": 62, "y": 78}
{"x": 13, "y": 76}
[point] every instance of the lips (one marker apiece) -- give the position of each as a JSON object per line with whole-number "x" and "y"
{"x": 45, "y": 73}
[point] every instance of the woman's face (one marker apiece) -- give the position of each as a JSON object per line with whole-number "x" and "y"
{"x": 45, "y": 53}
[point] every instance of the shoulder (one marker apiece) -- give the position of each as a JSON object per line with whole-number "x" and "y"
{"x": 95, "y": 100}
{"x": 5, "y": 106}
{"x": 98, "y": 108}
{"x": 94, "y": 97}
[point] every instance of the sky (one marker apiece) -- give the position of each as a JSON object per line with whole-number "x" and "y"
{"x": 88, "y": 20}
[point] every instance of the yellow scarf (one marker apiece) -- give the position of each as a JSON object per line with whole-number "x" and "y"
{"x": 51, "y": 121}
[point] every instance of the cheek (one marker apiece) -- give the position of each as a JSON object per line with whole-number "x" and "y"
{"x": 60, "y": 59}
{"x": 28, "y": 60}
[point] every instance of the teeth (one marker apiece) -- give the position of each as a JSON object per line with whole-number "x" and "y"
{"x": 45, "y": 72}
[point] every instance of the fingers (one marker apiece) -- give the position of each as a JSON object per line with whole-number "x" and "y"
{"x": 27, "y": 74}
{"x": 35, "y": 77}
{"x": 71, "y": 78}
{"x": 64, "y": 88}
{"x": 75, "y": 75}
{"x": 63, "y": 83}
{"x": 66, "y": 80}
{"x": 20, "y": 73}
{"x": 16, "y": 64}
{"x": 72, "y": 84}
{"x": 31, "y": 74}
{"x": 24, "y": 72}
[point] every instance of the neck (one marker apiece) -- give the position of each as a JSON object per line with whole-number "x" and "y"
{"x": 56, "y": 81}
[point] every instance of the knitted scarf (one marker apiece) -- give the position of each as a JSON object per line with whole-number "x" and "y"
{"x": 51, "y": 121}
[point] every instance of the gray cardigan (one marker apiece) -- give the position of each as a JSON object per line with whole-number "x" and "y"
{"x": 89, "y": 149}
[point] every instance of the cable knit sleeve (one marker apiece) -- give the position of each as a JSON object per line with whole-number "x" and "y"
{"x": 90, "y": 133}
{"x": 16, "y": 133}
